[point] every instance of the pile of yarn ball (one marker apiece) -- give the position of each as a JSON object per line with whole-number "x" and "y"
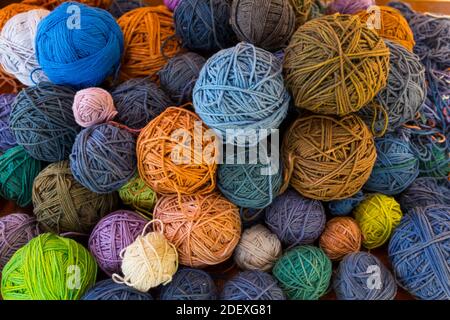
{"x": 140, "y": 197}
{"x": 109, "y": 290}
{"x": 93, "y": 106}
{"x": 7, "y": 139}
{"x": 190, "y": 284}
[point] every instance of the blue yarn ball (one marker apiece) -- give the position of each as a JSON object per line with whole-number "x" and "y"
{"x": 109, "y": 290}
{"x": 345, "y": 206}
{"x": 424, "y": 192}
{"x": 79, "y": 45}
{"x": 190, "y": 284}
{"x": 252, "y": 285}
{"x": 419, "y": 251}
{"x": 7, "y": 139}
{"x": 120, "y": 7}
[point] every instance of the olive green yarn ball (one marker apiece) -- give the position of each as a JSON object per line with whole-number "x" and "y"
{"x": 49, "y": 267}
{"x": 137, "y": 195}
{"x": 303, "y": 273}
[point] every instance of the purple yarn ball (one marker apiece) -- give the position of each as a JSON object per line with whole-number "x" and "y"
{"x": 7, "y": 139}
{"x": 171, "y": 4}
{"x": 349, "y": 6}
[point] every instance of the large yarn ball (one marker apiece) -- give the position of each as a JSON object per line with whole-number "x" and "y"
{"x": 109, "y": 290}
{"x": 420, "y": 252}
{"x": 424, "y": 192}
{"x": 340, "y": 237}
{"x": 92, "y": 106}
{"x": 349, "y": 6}
{"x": 78, "y": 45}
{"x": 103, "y": 158}
{"x": 137, "y": 195}
{"x": 337, "y": 70}
{"x": 190, "y": 284}
{"x": 306, "y": 10}
{"x": 328, "y": 158}
{"x": 7, "y": 139}
{"x": 52, "y": 4}
{"x": 345, "y": 206}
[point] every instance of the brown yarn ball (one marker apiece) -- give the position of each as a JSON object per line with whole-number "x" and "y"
{"x": 328, "y": 158}
{"x": 335, "y": 65}
{"x": 61, "y": 204}
{"x": 341, "y": 236}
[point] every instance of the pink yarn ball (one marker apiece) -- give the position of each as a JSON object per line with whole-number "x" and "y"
{"x": 171, "y": 4}
{"x": 92, "y": 106}
{"x": 349, "y": 6}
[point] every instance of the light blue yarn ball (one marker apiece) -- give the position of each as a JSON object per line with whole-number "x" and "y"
{"x": 78, "y": 45}
{"x": 345, "y": 206}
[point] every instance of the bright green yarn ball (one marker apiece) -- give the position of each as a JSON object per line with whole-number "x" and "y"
{"x": 49, "y": 267}
{"x": 304, "y": 273}
{"x": 138, "y": 196}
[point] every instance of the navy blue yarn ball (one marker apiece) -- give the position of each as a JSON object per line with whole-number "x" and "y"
{"x": 109, "y": 290}
{"x": 190, "y": 284}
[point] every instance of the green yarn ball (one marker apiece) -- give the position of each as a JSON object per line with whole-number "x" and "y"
{"x": 138, "y": 196}
{"x": 304, "y": 273}
{"x": 438, "y": 164}
{"x": 49, "y": 267}
{"x": 17, "y": 172}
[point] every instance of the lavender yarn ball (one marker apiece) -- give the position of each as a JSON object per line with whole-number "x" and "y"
{"x": 172, "y": 4}
{"x": 349, "y": 6}
{"x": 190, "y": 284}
{"x": 424, "y": 192}
{"x": 345, "y": 206}
{"x": 109, "y": 290}
{"x": 7, "y": 139}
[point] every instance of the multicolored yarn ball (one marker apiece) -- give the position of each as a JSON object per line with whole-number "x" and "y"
{"x": 171, "y": 4}
{"x": 52, "y": 4}
{"x": 103, "y": 158}
{"x": 61, "y": 204}
{"x": 204, "y": 229}
{"x": 137, "y": 195}
{"x": 306, "y": 10}
{"x": 84, "y": 40}
{"x": 93, "y": 106}
{"x": 419, "y": 252}
{"x": 437, "y": 164}
{"x": 340, "y": 237}
{"x": 378, "y": 215}
{"x": 111, "y": 235}
{"x": 345, "y": 206}
{"x": 109, "y": 290}
{"x": 16, "y": 230}
{"x": 295, "y": 219}
{"x": 357, "y": 275}
{"x": 344, "y": 43}
{"x": 44, "y": 269}
{"x": 138, "y": 101}
{"x": 179, "y": 75}
{"x": 119, "y": 7}
{"x": 149, "y": 41}
{"x": 164, "y": 164}
{"x": 190, "y": 284}
{"x": 424, "y": 192}
{"x": 350, "y": 6}
{"x": 303, "y": 273}
{"x": 252, "y": 285}
{"x": 7, "y": 139}
{"x": 17, "y": 173}
{"x": 42, "y": 121}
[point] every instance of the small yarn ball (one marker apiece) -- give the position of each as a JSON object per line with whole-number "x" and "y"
{"x": 179, "y": 75}
{"x": 112, "y": 234}
{"x": 258, "y": 249}
{"x": 7, "y": 139}
{"x": 42, "y": 121}
{"x": 204, "y": 229}
{"x": 52, "y": 4}
{"x": 306, "y": 10}
{"x": 77, "y": 57}
{"x": 103, "y": 158}
{"x": 61, "y": 204}
{"x": 337, "y": 70}
{"x": 345, "y": 206}
{"x": 190, "y": 284}
{"x": 303, "y": 273}
{"x": 137, "y": 195}
{"x": 328, "y": 158}
{"x": 16, "y": 230}
{"x": 340, "y": 237}
{"x": 356, "y": 271}
{"x": 44, "y": 269}
{"x": 252, "y": 285}
{"x": 349, "y": 6}
{"x": 419, "y": 252}
{"x": 17, "y": 173}
{"x": 377, "y": 216}
{"x": 295, "y": 219}
{"x": 109, "y": 290}
{"x": 171, "y": 4}
{"x": 424, "y": 192}
{"x": 119, "y": 7}
{"x": 138, "y": 101}
{"x": 93, "y": 106}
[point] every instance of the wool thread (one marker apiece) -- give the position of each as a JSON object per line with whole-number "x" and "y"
{"x": 171, "y": 4}
{"x": 119, "y": 7}
{"x": 349, "y": 6}
{"x": 52, "y": 4}
{"x": 7, "y": 139}
{"x": 190, "y": 284}
{"x": 306, "y": 10}
{"x": 136, "y": 194}
{"x": 345, "y": 206}
{"x": 93, "y": 106}
{"x": 424, "y": 192}
{"x": 109, "y": 290}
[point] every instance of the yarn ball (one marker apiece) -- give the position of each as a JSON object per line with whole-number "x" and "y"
{"x": 377, "y": 216}
{"x": 340, "y": 237}
{"x": 252, "y": 285}
{"x": 42, "y": 121}
{"x": 306, "y": 10}
{"x": 52, "y": 4}
{"x": 356, "y": 271}
{"x": 109, "y": 290}
{"x": 149, "y": 41}
{"x": 303, "y": 273}
{"x": 241, "y": 88}
{"x": 7, "y": 139}
{"x": 119, "y": 7}
{"x": 171, "y": 4}
{"x": 17, "y": 55}
{"x": 61, "y": 204}
{"x": 103, "y": 158}
{"x": 93, "y": 106}
{"x": 424, "y": 192}
{"x": 328, "y": 158}
{"x": 85, "y": 36}
{"x": 404, "y": 8}
{"x": 45, "y": 269}
{"x": 258, "y": 249}
{"x": 16, "y": 230}
{"x": 204, "y": 229}
{"x": 295, "y": 219}
{"x": 437, "y": 162}
{"x": 396, "y": 166}
{"x": 250, "y": 217}
{"x": 17, "y": 173}
{"x": 163, "y": 162}
{"x": 349, "y": 6}
{"x": 113, "y": 233}
{"x": 337, "y": 70}
{"x": 190, "y": 284}
{"x": 179, "y": 75}
{"x": 419, "y": 252}
{"x": 137, "y": 195}
{"x": 138, "y": 101}
{"x": 345, "y": 206}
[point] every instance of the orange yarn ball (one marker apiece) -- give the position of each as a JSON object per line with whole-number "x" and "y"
{"x": 205, "y": 229}
{"x": 51, "y": 4}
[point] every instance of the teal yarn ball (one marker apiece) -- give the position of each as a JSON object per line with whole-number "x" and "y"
{"x": 303, "y": 273}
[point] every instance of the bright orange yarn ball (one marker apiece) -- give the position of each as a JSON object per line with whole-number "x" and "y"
{"x": 51, "y": 4}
